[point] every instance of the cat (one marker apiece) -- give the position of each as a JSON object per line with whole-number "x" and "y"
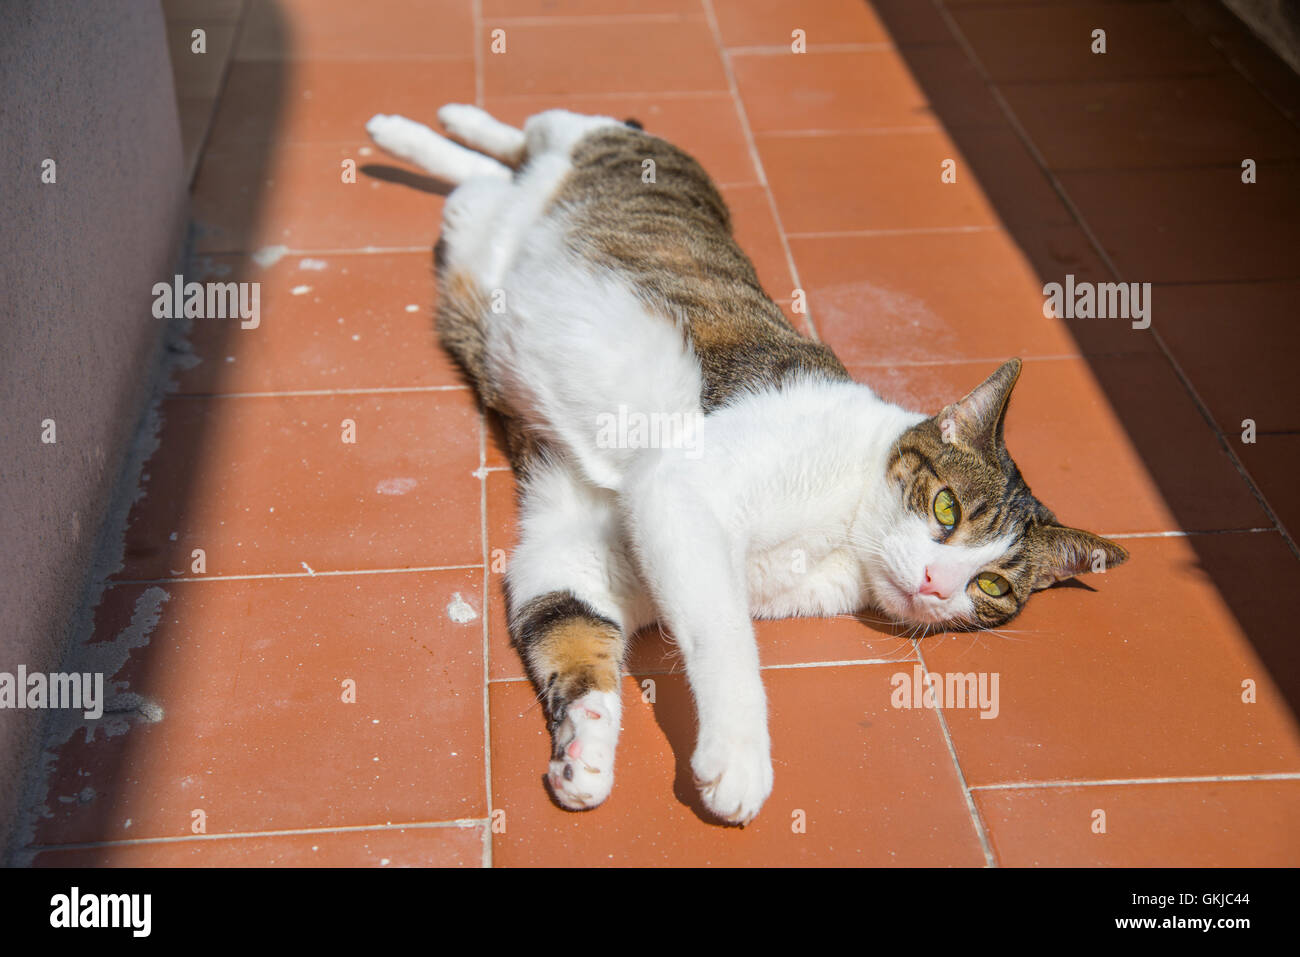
{"x": 588, "y": 278}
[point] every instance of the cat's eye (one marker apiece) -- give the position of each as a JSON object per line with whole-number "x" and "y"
{"x": 992, "y": 584}
{"x": 946, "y": 509}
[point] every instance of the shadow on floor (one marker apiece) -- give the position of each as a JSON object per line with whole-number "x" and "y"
{"x": 1019, "y": 190}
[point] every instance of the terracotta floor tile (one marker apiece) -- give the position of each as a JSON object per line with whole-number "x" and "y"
{"x": 295, "y": 196}
{"x": 343, "y": 29}
{"x": 823, "y": 91}
{"x": 1054, "y": 41}
{"x": 495, "y": 450}
{"x": 869, "y": 181}
{"x": 1198, "y": 225}
{"x": 326, "y": 322}
{"x": 928, "y": 297}
{"x": 705, "y": 125}
{"x": 877, "y": 785}
{"x": 791, "y": 641}
{"x": 612, "y": 56}
{"x": 502, "y": 521}
{"x": 1217, "y": 824}
{"x": 1140, "y": 674}
{"x": 386, "y": 847}
{"x": 249, "y": 676}
{"x": 1237, "y": 342}
{"x": 1155, "y": 122}
{"x": 1036, "y": 216}
{"x": 1105, "y": 443}
{"x": 770, "y": 23}
{"x": 908, "y": 22}
{"x": 517, "y": 9}
{"x": 954, "y": 87}
{"x": 1025, "y": 201}
{"x": 267, "y": 485}
{"x": 329, "y": 101}
{"x": 1273, "y": 463}
{"x": 781, "y": 643}
{"x": 756, "y": 231}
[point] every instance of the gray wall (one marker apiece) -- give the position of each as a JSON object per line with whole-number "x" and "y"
{"x": 87, "y": 84}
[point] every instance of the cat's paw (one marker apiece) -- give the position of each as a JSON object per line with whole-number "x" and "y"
{"x": 393, "y": 133}
{"x": 734, "y": 774}
{"x": 583, "y": 773}
{"x": 460, "y": 120}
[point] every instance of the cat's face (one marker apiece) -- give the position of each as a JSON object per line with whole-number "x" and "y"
{"x": 966, "y": 542}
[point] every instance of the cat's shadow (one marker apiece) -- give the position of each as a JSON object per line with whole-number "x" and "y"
{"x": 395, "y": 174}
{"x": 674, "y": 712}
{"x": 654, "y": 657}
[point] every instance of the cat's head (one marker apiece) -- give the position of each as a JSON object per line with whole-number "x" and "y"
{"x": 966, "y": 542}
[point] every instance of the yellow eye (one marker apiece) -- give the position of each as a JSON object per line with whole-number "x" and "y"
{"x": 946, "y": 509}
{"x": 991, "y": 584}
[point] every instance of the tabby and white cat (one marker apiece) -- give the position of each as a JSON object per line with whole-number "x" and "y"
{"x": 575, "y": 288}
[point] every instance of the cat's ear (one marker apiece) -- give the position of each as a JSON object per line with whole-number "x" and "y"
{"x": 977, "y": 419}
{"x": 1062, "y": 553}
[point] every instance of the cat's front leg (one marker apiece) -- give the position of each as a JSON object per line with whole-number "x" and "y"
{"x": 693, "y": 564}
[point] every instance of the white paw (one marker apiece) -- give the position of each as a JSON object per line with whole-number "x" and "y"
{"x": 394, "y": 133}
{"x": 734, "y": 774}
{"x": 583, "y": 775}
{"x": 460, "y": 119}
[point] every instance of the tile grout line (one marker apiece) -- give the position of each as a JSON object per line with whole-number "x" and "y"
{"x": 644, "y": 672}
{"x": 480, "y": 96}
{"x": 739, "y": 106}
{"x": 645, "y": 94}
{"x": 309, "y": 393}
{"x": 914, "y": 231}
{"x": 990, "y": 859}
{"x": 487, "y": 651}
{"x": 458, "y": 823}
{"x": 1114, "y": 782}
{"x": 312, "y": 574}
{"x": 597, "y": 19}
{"x": 853, "y": 131}
{"x": 782, "y": 49}
{"x": 1189, "y": 388}
{"x": 476, "y": 26}
{"x": 331, "y": 251}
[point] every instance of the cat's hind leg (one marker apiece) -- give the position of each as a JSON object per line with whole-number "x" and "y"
{"x": 435, "y": 154}
{"x": 572, "y": 600}
{"x": 484, "y": 132}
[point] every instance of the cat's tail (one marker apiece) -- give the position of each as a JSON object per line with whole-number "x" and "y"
{"x": 437, "y": 155}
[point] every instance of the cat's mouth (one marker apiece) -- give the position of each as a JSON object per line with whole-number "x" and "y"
{"x": 910, "y": 608}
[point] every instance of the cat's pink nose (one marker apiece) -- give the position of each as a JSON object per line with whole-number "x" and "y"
{"x": 931, "y": 585}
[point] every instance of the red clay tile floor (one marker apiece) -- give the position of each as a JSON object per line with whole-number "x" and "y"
{"x": 305, "y": 622}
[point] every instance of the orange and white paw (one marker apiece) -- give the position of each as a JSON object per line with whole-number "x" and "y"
{"x": 734, "y": 773}
{"x": 583, "y": 774}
